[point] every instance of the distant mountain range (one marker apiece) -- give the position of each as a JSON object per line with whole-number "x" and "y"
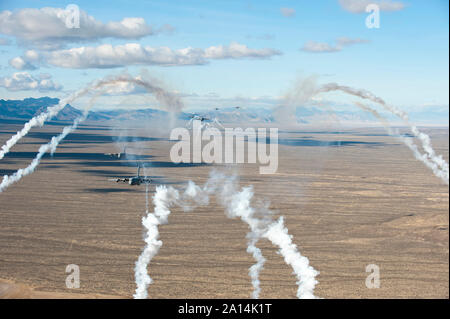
{"x": 29, "y": 107}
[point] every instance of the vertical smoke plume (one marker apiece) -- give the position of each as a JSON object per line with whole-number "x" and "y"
{"x": 441, "y": 170}
{"x": 163, "y": 199}
{"x": 168, "y": 100}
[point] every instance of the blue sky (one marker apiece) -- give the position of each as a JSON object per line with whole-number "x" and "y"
{"x": 405, "y": 61}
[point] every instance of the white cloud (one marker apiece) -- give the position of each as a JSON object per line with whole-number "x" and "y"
{"x": 31, "y": 55}
{"x": 20, "y": 64}
{"x": 25, "y": 62}
{"x": 108, "y": 56}
{"x": 123, "y": 88}
{"x": 23, "y": 81}
{"x": 236, "y": 51}
{"x": 287, "y": 12}
{"x": 359, "y": 6}
{"x": 46, "y": 28}
{"x": 323, "y": 47}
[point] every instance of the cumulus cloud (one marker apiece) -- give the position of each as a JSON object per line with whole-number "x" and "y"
{"x": 23, "y": 81}
{"x": 359, "y": 6}
{"x": 108, "y": 56}
{"x": 26, "y": 61}
{"x": 20, "y": 64}
{"x": 323, "y": 47}
{"x": 287, "y": 12}
{"x": 46, "y": 28}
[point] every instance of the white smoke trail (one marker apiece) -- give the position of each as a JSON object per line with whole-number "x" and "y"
{"x": 163, "y": 199}
{"x": 306, "y": 275}
{"x": 8, "y": 180}
{"x": 49, "y": 147}
{"x": 259, "y": 220}
{"x": 238, "y": 204}
{"x": 192, "y": 196}
{"x": 256, "y": 268}
{"x": 38, "y": 120}
{"x": 167, "y": 99}
{"x": 441, "y": 170}
{"x": 407, "y": 141}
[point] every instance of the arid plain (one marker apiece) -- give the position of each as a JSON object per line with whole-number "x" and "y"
{"x": 350, "y": 198}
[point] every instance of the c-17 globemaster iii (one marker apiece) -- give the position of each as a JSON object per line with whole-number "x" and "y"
{"x": 136, "y": 180}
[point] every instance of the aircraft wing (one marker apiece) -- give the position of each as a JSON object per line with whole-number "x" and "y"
{"x": 117, "y": 180}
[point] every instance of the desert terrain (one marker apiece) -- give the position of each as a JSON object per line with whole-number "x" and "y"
{"x": 350, "y": 198}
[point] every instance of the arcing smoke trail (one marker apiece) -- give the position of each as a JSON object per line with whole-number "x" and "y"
{"x": 407, "y": 141}
{"x": 442, "y": 170}
{"x": 167, "y": 99}
{"x": 163, "y": 200}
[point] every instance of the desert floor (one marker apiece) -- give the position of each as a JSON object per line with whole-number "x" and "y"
{"x": 350, "y": 198}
